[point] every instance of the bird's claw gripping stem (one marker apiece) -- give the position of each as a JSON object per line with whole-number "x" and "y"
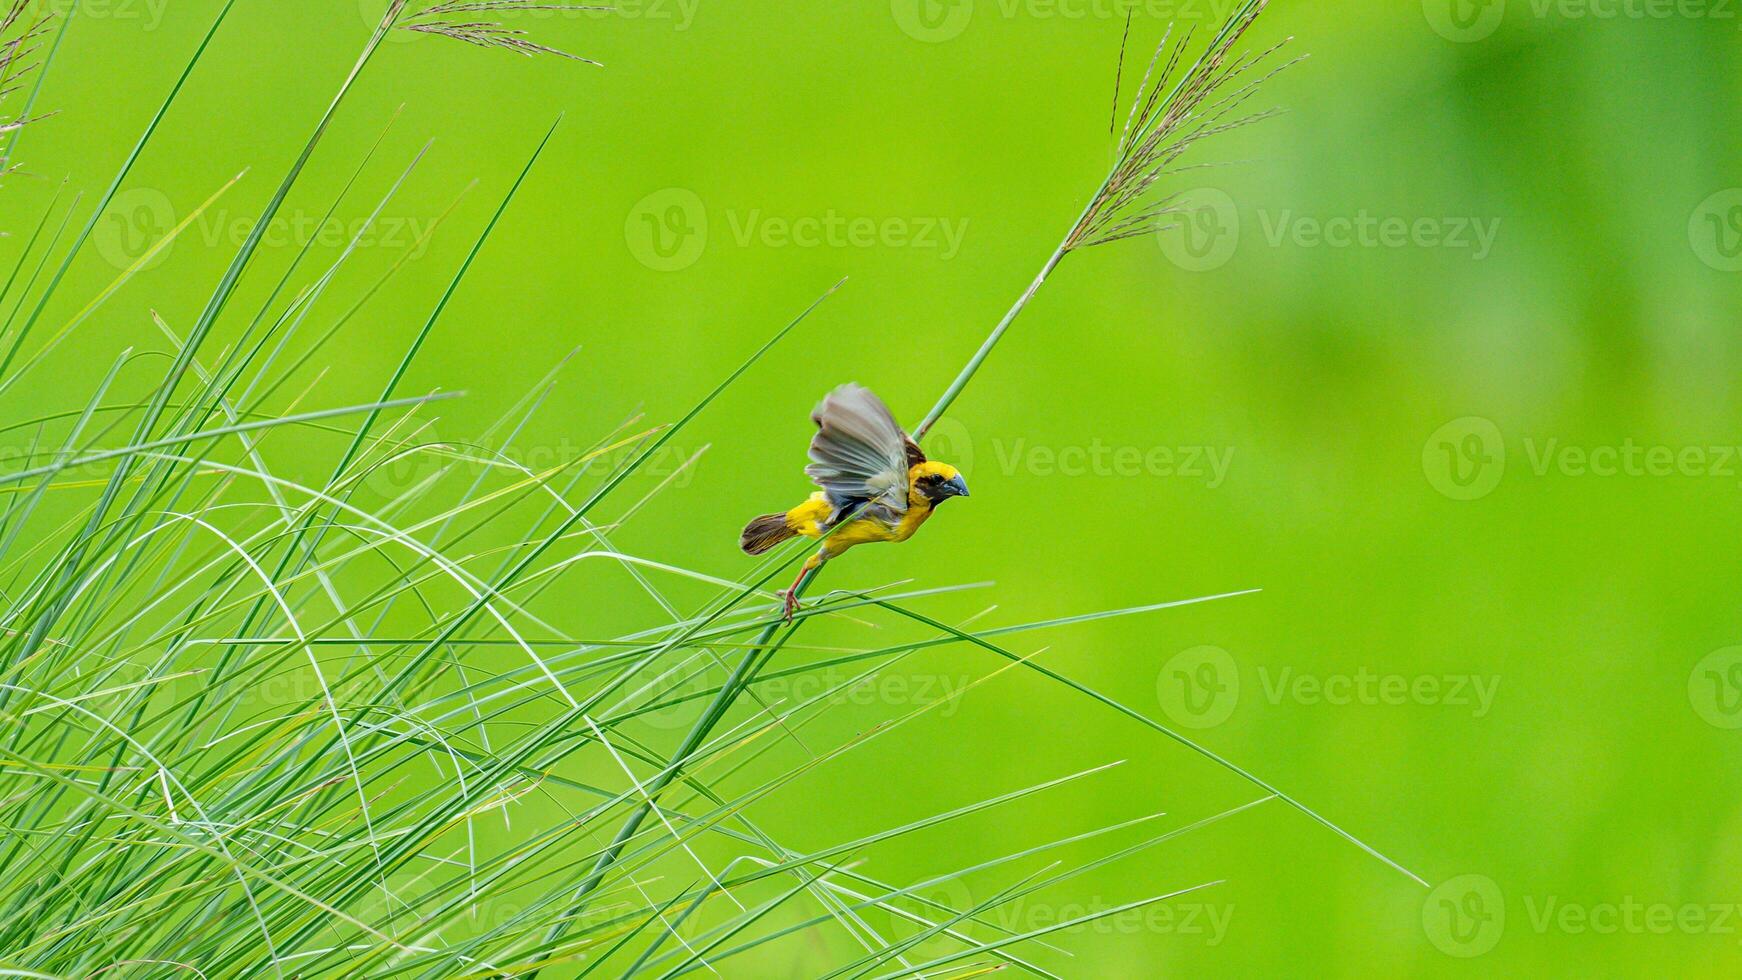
{"x": 789, "y": 596}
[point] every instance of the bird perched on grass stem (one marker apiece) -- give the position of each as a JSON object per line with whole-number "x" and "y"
{"x": 876, "y": 485}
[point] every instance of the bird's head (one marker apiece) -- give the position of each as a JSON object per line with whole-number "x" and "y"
{"x": 936, "y": 482}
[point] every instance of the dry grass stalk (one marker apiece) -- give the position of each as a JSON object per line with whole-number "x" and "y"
{"x": 20, "y": 40}
{"x": 1171, "y": 112}
{"x": 459, "y": 20}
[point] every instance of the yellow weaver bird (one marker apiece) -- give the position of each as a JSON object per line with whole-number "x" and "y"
{"x": 873, "y": 476}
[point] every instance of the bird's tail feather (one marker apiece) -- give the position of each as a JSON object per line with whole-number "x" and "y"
{"x": 764, "y": 533}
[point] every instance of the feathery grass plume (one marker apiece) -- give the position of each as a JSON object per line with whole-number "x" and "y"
{"x": 288, "y": 689}
{"x": 459, "y": 19}
{"x": 20, "y": 41}
{"x": 1171, "y": 112}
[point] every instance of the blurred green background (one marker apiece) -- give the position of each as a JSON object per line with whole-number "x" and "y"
{"x": 1444, "y": 361}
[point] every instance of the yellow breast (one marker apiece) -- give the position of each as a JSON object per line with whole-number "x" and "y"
{"x": 916, "y": 514}
{"x": 811, "y": 519}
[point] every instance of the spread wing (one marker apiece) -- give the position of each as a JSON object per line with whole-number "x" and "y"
{"x": 859, "y": 455}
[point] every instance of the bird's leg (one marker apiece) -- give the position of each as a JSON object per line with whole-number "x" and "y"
{"x": 789, "y": 596}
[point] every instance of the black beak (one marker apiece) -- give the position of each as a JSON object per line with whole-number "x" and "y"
{"x": 954, "y": 487}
